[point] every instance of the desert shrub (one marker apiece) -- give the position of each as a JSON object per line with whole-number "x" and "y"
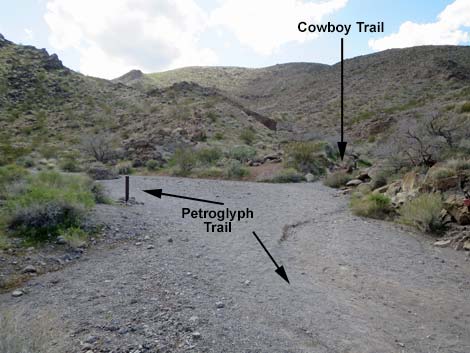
{"x": 50, "y": 202}
{"x": 26, "y": 162}
{"x": 11, "y": 176}
{"x": 208, "y": 156}
{"x": 124, "y": 168}
{"x": 69, "y": 165}
{"x": 213, "y": 116}
{"x": 99, "y": 147}
{"x": 152, "y": 164}
{"x": 465, "y": 108}
{"x": 99, "y": 193}
{"x": 371, "y": 205}
{"x": 99, "y": 171}
{"x": 183, "y": 161}
{"x": 307, "y": 157}
{"x": 211, "y": 172}
{"x": 288, "y": 175}
{"x": 441, "y": 173}
{"x": 4, "y": 243}
{"x": 219, "y": 135}
{"x": 75, "y": 237}
{"x": 337, "y": 179}
{"x": 423, "y": 213}
{"x": 247, "y": 136}
{"x": 242, "y": 153}
{"x": 235, "y": 170}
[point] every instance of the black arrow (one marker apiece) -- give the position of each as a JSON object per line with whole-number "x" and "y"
{"x": 158, "y": 193}
{"x": 342, "y": 144}
{"x": 279, "y": 270}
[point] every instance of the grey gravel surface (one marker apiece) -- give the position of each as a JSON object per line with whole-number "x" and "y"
{"x": 356, "y": 285}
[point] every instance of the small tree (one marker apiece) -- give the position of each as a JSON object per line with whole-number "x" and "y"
{"x": 98, "y": 147}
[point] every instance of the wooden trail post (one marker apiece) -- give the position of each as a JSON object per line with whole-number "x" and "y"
{"x": 127, "y": 189}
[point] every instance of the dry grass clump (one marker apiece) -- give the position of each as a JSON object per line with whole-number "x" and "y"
{"x": 423, "y": 213}
{"x": 337, "y": 179}
{"x": 371, "y": 205}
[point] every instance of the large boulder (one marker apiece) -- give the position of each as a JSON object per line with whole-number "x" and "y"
{"x": 354, "y": 182}
{"x": 456, "y": 207}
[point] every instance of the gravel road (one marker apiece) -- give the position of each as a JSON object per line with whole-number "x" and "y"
{"x": 356, "y": 285}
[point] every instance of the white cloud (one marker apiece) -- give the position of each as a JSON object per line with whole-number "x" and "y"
{"x": 115, "y": 36}
{"x": 265, "y": 25}
{"x": 448, "y": 29}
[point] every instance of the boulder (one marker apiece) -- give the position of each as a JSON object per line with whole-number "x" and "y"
{"x": 446, "y": 184}
{"x": 402, "y": 197}
{"x": 309, "y": 177}
{"x": 456, "y": 207}
{"x": 466, "y": 245}
{"x": 442, "y": 243}
{"x": 394, "y": 188}
{"x": 363, "y": 176}
{"x": 354, "y": 182}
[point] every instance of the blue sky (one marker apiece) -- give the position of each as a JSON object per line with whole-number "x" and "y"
{"x": 106, "y": 38}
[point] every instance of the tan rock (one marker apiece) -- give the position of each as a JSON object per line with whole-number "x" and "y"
{"x": 442, "y": 243}
{"x": 354, "y": 182}
{"x": 466, "y": 245}
{"x": 410, "y": 182}
{"x": 394, "y": 188}
{"x": 456, "y": 207}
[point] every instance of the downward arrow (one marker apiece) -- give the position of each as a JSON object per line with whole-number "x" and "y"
{"x": 342, "y": 144}
{"x": 279, "y": 269}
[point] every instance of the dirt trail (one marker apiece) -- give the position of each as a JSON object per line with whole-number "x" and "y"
{"x": 356, "y": 285}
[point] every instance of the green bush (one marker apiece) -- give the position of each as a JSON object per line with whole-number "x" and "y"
{"x": 423, "y": 213}
{"x": 235, "y": 170}
{"x": 69, "y": 165}
{"x": 307, "y": 157}
{"x": 219, "y": 135}
{"x": 337, "y": 179}
{"x": 10, "y": 174}
{"x": 49, "y": 203}
{"x": 371, "y": 205}
{"x": 208, "y": 156}
{"x": 152, "y": 165}
{"x": 184, "y": 160}
{"x": 247, "y": 136}
{"x": 75, "y": 237}
{"x": 242, "y": 153}
{"x": 465, "y": 108}
{"x": 211, "y": 172}
{"x": 288, "y": 175}
{"x": 441, "y": 173}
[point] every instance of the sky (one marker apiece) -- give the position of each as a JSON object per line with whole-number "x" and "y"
{"x": 107, "y": 38}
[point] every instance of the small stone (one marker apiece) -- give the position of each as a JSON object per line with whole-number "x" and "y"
{"x": 17, "y": 293}
{"x": 149, "y": 247}
{"x": 91, "y": 339}
{"x": 138, "y": 244}
{"x": 194, "y": 319}
{"x": 61, "y": 240}
{"x": 247, "y": 282}
{"x": 87, "y": 346}
{"x": 466, "y": 245}
{"x": 354, "y": 182}
{"x": 196, "y": 335}
{"x": 442, "y": 243}
{"x": 170, "y": 240}
{"x": 29, "y": 269}
{"x": 219, "y": 305}
{"x": 123, "y": 330}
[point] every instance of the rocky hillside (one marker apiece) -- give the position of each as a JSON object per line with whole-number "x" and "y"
{"x": 384, "y": 92}
{"x": 46, "y": 110}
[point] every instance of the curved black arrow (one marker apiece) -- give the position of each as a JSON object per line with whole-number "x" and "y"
{"x": 342, "y": 144}
{"x": 158, "y": 193}
{"x": 279, "y": 269}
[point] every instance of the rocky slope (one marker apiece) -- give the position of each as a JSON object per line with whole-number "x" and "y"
{"x": 384, "y": 92}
